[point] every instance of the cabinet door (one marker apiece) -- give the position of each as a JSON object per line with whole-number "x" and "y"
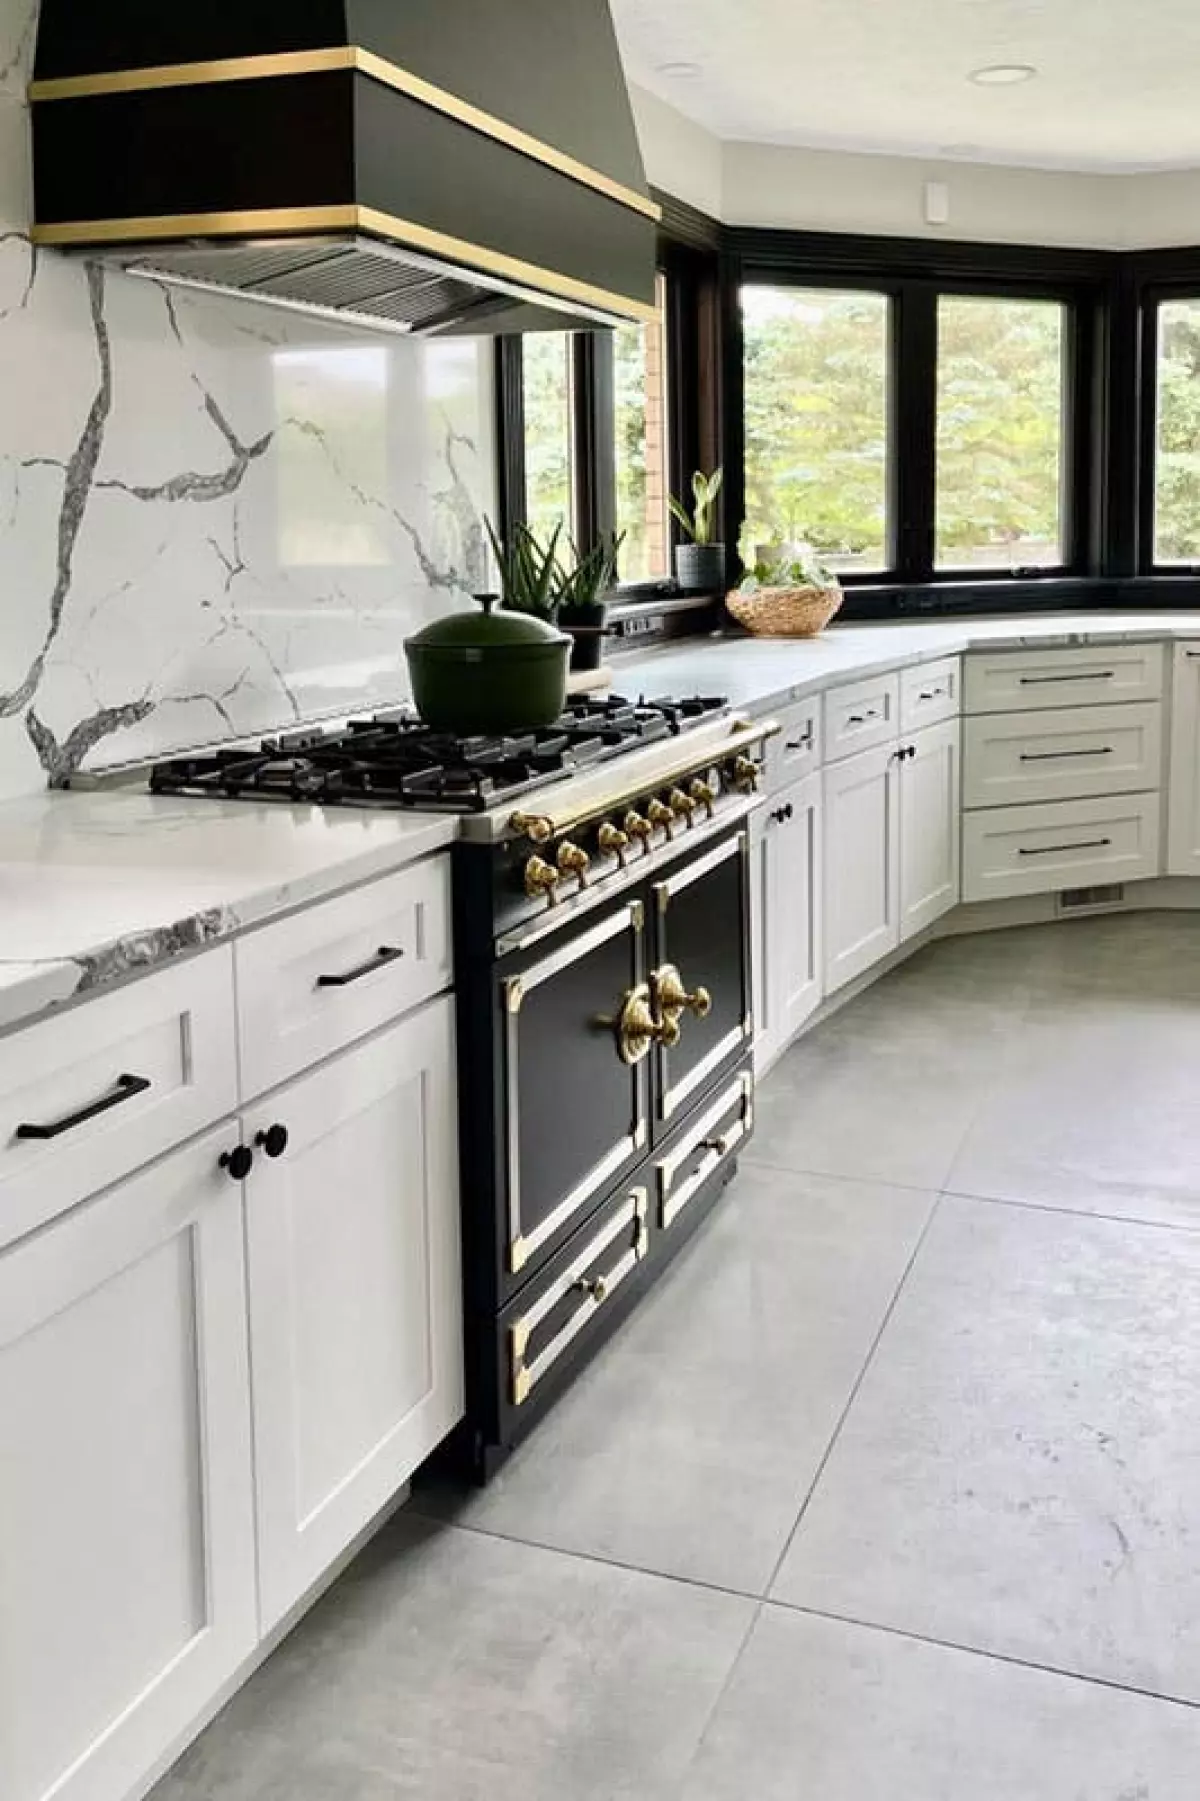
{"x": 354, "y": 1276}
{"x": 862, "y": 864}
{"x": 930, "y": 836}
{"x": 1183, "y": 835}
{"x": 702, "y": 957}
{"x": 795, "y": 970}
{"x": 126, "y": 1513}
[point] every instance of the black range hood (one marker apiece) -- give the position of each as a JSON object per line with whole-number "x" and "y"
{"x": 412, "y": 165}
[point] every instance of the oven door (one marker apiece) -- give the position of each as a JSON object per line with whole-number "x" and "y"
{"x": 700, "y": 983}
{"x": 576, "y": 1108}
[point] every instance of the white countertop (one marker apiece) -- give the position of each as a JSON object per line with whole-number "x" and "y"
{"x": 767, "y": 672}
{"x": 97, "y": 885}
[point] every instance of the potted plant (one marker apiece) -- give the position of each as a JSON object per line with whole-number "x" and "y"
{"x": 530, "y": 578}
{"x": 789, "y": 591}
{"x": 581, "y": 604}
{"x": 700, "y": 561}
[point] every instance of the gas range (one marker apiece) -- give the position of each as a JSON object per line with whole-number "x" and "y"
{"x": 392, "y": 759}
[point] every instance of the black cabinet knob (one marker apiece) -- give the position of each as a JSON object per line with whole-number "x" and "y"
{"x": 238, "y": 1162}
{"x": 274, "y": 1141}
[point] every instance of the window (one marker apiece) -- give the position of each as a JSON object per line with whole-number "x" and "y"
{"x": 1000, "y": 408}
{"x": 640, "y": 448}
{"x": 546, "y": 393}
{"x": 817, "y": 421}
{"x": 1177, "y": 460}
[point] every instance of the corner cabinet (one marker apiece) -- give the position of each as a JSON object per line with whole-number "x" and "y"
{"x": 126, "y": 1485}
{"x": 352, "y": 1230}
{"x": 1183, "y": 818}
{"x": 788, "y": 853}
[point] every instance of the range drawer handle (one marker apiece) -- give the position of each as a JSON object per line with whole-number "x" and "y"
{"x": 387, "y": 953}
{"x": 1080, "y": 675}
{"x": 1055, "y": 756}
{"x": 595, "y": 1287}
{"x": 126, "y": 1088}
{"x": 1048, "y": 850}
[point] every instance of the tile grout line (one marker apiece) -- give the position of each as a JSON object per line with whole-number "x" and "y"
{"x": 750, "y": 1161}
{"x": 852, "y": 1397}
{"x": 985, "y": 1655}
{"x": 1080, "y": 1213}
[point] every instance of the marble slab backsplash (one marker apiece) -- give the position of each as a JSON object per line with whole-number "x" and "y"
{"x": 215, "y": 518}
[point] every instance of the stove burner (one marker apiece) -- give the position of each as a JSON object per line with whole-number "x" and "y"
{"x": 393, "y": 760}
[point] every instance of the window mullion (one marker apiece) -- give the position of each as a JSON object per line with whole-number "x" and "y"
{"x": 592, "y": 431}
{"x": 914, "y": 430}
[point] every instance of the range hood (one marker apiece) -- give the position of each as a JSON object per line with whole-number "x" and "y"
{"x": 410, "y": 165}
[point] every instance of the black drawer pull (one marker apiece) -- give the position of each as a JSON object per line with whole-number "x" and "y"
{"x": 1048, "y": 850}
{"x": 931, "y": 693}
{"x": 126, "y": 1088}
{"x": 1080, "y": 675}
{"x": 1055, "y": 756}
{"x": 862, "y": 718}
{"x": 805, "y": 743}
{"x": 387, "y": 953}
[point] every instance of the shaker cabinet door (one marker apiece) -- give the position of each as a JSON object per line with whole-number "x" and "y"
{"x": 930, "y": 827}
{"x": 354, "y": 1277}
{"x": 127, "y": 1593}
{"x": 1183, "y": 832}
{"x": 862, "y": 864}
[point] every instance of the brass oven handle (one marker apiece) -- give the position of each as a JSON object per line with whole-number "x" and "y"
{"x": 673, "y": 998}
{"x": 639, "y": 1027}
{"x": 595, "y": 1287}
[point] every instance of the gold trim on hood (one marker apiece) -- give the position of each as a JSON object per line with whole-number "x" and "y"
{"x": 296, "y": 221}
{"x": 365, "y": 62}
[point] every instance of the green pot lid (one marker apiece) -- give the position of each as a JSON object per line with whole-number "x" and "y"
{"x": 495, "y": 626}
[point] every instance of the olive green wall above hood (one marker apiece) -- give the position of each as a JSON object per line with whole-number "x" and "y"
{"x": 408, "y": 165}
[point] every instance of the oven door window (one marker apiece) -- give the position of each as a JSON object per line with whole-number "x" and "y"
{"x": 701, "y": 976}
{"x": 576, "y": 1084}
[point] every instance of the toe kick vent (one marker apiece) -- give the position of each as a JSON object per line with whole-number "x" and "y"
{"x": 1083, "y": 900}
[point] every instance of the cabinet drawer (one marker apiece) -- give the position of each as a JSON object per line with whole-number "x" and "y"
{"x": 712, "y": 1141}
{"x": 797, "y": 748}
{"x": 89, "y": 1096}
{"x": 860, "y": 715}
{"x": 569, "y": 1298}
{"x": 1014, "y": 681}
{"x": 1077, "y": 751}
{"x": 310, "y": 984}
{"x": 930, "y": 694}
{"x": 1064, "y": 844}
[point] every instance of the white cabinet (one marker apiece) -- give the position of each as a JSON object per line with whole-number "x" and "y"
{"x": 861, "y": 714}
{"x": 789, "y": 972}
{"x": 1069, "y": 753}
{"x": 930, "y": 836}
{"x": 1063, "y": 844}
{"x": 126, "y": 1516}
{"x": 354, "y": 1278}
{"x": 862, "y": 863}
{"x": 1183, "y": 829}
{"x": 1083, "y": 675}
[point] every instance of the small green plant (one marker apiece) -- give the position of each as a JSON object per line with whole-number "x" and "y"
{"x": 591, "y": 575}
{"x": 791, "y": 565}
{"x": 700, "y": 524}
{"x": 530, "y": 577}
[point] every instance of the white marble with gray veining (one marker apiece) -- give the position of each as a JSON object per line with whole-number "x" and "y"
{"x": 769, "y": 672}
{"x": 215, "y": 518}
{"x": 95, "y": 887}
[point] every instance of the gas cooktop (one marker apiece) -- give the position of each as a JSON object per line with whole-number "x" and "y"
{"x": 393, "y": 759}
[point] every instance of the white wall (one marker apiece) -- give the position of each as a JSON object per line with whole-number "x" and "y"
{"x": 1159, "y": 210}
{"x": 681, "y": 158}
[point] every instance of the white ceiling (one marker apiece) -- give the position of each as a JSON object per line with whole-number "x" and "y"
{"x": 1118, "y": 88}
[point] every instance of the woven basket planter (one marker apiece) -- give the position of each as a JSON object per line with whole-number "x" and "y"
{"x": 785, "y": 612}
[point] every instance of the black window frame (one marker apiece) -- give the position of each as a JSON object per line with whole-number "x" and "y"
{"x": 1153, "y": 292}
{"x": 914, "y": 274}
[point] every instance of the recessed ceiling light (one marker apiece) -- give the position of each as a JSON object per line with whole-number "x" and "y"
{"x": 1002, "y": 75}
{"x": 679, "y": 71}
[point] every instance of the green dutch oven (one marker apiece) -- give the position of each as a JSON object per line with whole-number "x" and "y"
{"x": 495, "y": 671}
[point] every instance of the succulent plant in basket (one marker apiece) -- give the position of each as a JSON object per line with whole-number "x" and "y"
{"x": 700, "y": 562}
{"x": 789, "y": 591}
{"x": 591, "y": 576}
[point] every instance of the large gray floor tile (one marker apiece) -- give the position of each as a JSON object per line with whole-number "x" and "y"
{"x": 1097, "y": 1110}
{"x": 821, "y": 1711}
{"x": 1020, "y": 1471}
{"x": 1137, "y": 953}
{"x": 452, "y": 1666}
{"x": 690, "y": 1445}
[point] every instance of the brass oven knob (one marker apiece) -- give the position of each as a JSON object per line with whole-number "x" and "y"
{"x": 613, "y": 841}
{"x": 639, "y": 828}
{"x": 673, "y": 998}
{"x": 658, "y": 813}
{"x": 745, "y": 774}
{"x": 704, "y": 795}
{"x": 573, "y": 860}
{"x": 541, "y": 878}
{"x": 534, "y": 826}
{"x": 681, "y": 804}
